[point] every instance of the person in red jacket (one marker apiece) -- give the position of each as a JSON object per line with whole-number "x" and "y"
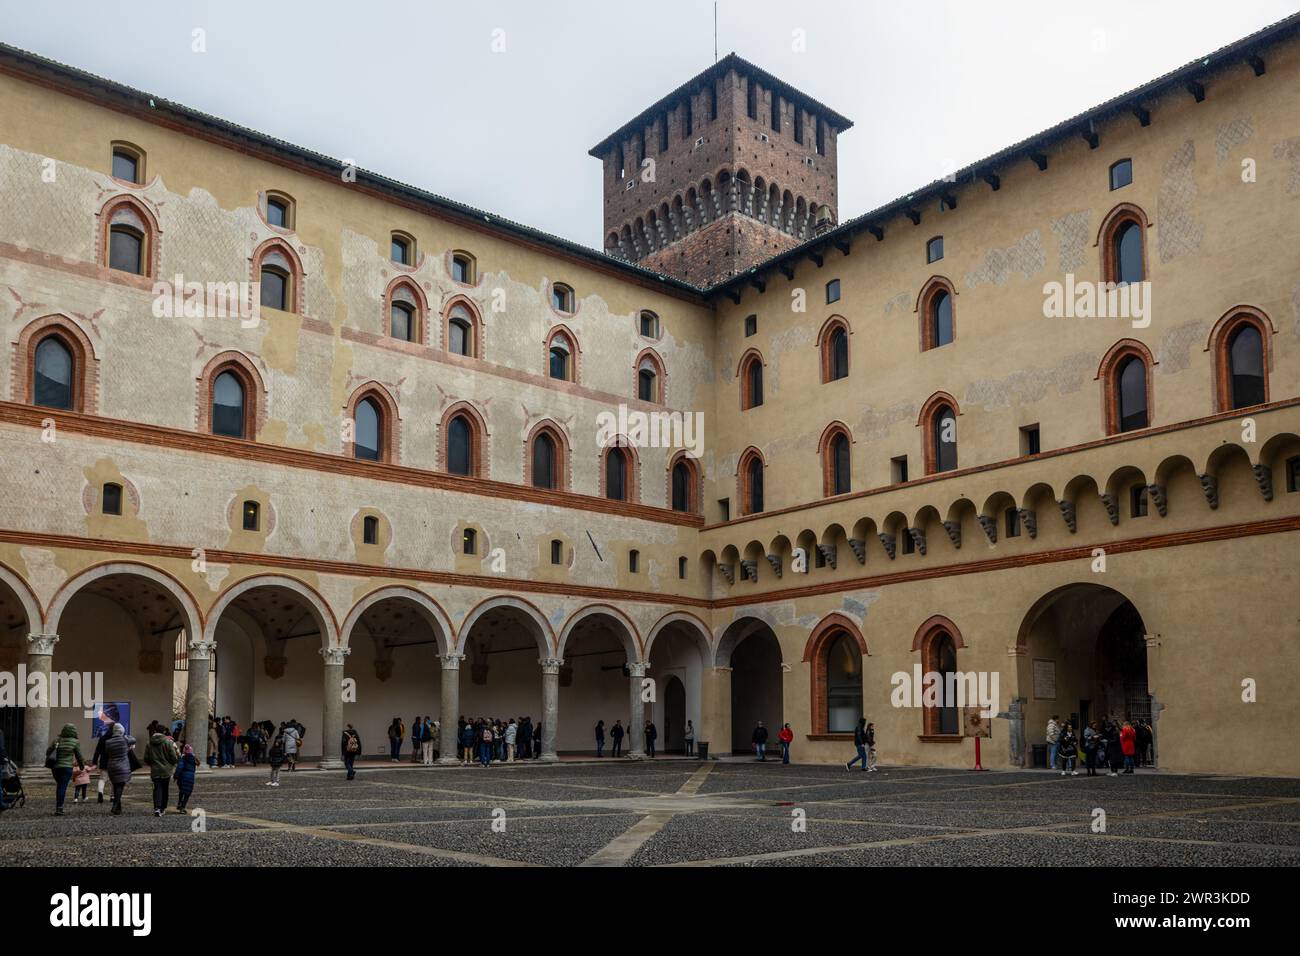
{"x": 1128, "y": 744}
{"x": 785, "y": 735}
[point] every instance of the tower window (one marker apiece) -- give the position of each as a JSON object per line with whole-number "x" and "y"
{"x": 562, "y": 298}
{"x": 1029, "y": 442}
{"x": 469, "y": 541}
{"x": 557, "y": 551}
{"x": 1012, "y": 519}
{"x": 649, "y": 324}
{"x": 370, "y": 530}
{"x": 633, "y": 561}
{"x": 751, "y": 325}
{"x": 1137, "y": 501}
{"x": 279, "y": 210}
{"x": 252, "y": 515}
{"x": 112, "y": 499}
{"x": 462, "y": 268}
{"x": 128, "y": 164}
{"x": 681, "y": 567}
{"x": 403, "y": 249}
{"x": 751, "y": 98}
{"x": 832, "y": 291}
{"x": 934, "y": 249}
{"x": 776, "y": 113}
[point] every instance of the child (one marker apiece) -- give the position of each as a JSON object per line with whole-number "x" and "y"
{"x": 185, "y": 777}
{"x": 81, "y": 780}
{"x": 276, "y": 757}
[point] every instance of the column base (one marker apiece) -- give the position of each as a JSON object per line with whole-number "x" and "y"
{"x": 447, "y": 761}
{"x": 549, "y": 758}
{"x": 635, "y": 755}
{"x": 333, "y": 763}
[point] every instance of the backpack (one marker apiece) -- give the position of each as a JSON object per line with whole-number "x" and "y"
{"x": 354, "y": 745}
{"x": 487, "y": 735}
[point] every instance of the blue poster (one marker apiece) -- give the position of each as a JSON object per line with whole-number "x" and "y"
{"x": 113, "y": 712}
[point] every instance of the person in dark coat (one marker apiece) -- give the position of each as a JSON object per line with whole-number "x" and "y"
{"x": 351, "y": 745}
{"x": 617, "y": 732}
{"x": 759, "y": 740}
{"x": 162, "y": 758}
{"x": 651, "y": 735}
{"x": 117, "y": 756}
{"x": 467, "y": 743}
{"x": 860, "y": 743}
{"x": 525, "y": 738}
{"x": 185, "y": 770}
{"x": 600, "y": 738}
{"x": 66, "y": 750}
{"x": 1068, "y": 750}
{"x": 1114, "y": 756}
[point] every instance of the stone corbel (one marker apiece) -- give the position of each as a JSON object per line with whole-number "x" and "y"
{"x": 954, "y": 532}
{"x": 918, "y": 538}
{"x": 273, "y": 665}
{"x": 749, "y": 570}
{"x": 827, "y": 552}
{"x": 889, "y": 544}
{"x": 383, "y": 669}
{"x": 1030, "y": 521}
{"x": 859, "y": 549}
{"x": 1112, "y": 507}
{"x": 1264, "y": 478}
{"x": 1157, "y": 494}
{"x": 775, "y": 561}
{"x": 1067, "y": 512}
{"x": 1210, "y": 485}
{"x": 728, "y": 572}
{"x": 990, "y": 527}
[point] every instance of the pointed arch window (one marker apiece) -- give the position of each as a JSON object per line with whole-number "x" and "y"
{"x": 750, "y": 475}
{"x": 229, "y": 406}
{"x": 834, "y": 342}
{"x": 546, "y": 462}
{"x": 462, "y": 331}
{"x": 684, "y": 484}
{"x": 561, "y": 358}
{"x": 1240, "y": 343}
{"x": 751, "y": 381}
{"x": 277, "y": 276}
{"x": 939, "y": 657}
{"x": 1125, "y": 375}
{"x": 836, "y": 464}
{"x": 367, "y": 442}
{"x": 126, "y": 246}
{"x": 1123, "y": 245}
{"x": 936, "y": 306}
{"x": 938, "y": 419}
{"x": 54, "y": 374}
{"x": 545, "y": 473}
{"x": 617, "y": 477}
{"x": 460, "y": 446}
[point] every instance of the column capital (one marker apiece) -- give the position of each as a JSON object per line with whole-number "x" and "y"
{"x": 200, "y": 650}
{"x": 451, "y": 662}
{"x": 41, "y": 644}
{"x": 551, "y": 665}
{"x": 721, "y": 671}
{"x": 335, "y": 655}
{"x": 1017, "y": 650}
{"x": 638, "y": 668}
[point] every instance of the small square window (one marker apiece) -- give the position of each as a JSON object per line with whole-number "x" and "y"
{"x": 112, "y": 500}
{"x": 909, "y": 544}
{"x": 252, "y": 513}
{"x": 1121, "y": 174}
{"x": 832, "y": 291}
{"x": 557, "y": 551}
{"x": 469, "y": 541}
{"x": 401, "y": 251}
{"x": 126, "y": 166}
{"x": 633, "y": 561}
{"x": 681, "y": 567}
{"x": 649, "y": 325}
{"x": 898, "y": 469}
{"x": 934, "y": 249}
{"x": 370, "y": 530}
{"x": 1293, "y": 474}
{"x": 1137, "y": 501}
{"x": 724, "y": 506}
{"x": 751, "y": 325}
{"x": 562, "y": 298}
{"x": 462, "y": 269}
{"x": 1012, "y": 518}
{"x": 277, "y": 213}
{"x": 1029, "y": 443}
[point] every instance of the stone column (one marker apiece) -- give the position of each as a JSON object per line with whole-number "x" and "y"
{"x": 450, "y": 703}
{"x": 716, "y": 717}
{"x": 198, "y": 703}
{"x": 550, "y": 706}
{"x": 636, "y": 724}
{"x": 36, "y": 722}
{"x": 331, "y": 728}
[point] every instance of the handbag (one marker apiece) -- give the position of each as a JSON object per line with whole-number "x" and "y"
{"x": 51, "y": 756}
{"x": 132, "y": 760}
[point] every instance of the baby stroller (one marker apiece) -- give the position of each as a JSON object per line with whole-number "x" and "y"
{"x": 11, "y": 786}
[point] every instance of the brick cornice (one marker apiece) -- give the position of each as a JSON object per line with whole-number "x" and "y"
{"x": 234, "y": 448}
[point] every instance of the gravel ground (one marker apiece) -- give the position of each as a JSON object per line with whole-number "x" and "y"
{"x": 740, "y": 814}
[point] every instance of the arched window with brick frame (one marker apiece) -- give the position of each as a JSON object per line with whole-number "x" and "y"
{"x": 833, "y": 343}
{"x": 231, "y": 397}
{"x": 835, "y": 451}
{"x": 835, "y": 652}
{"x": 750, "y": 480}
{"x": 750, "y": 373}
{"x": 464, "y": 434}
{"x": 650, "y": 377}
{"x": 406, "y": 312}
{"x": 1240, "y": 346}
{"x": 619, "y": 467}
{"x": 1127, "y": 395}
{"x": 1122, "y": 241}
{"x": 562, "y": 355}
{"x": 56, "y": 366}
{"x": 684, "y": 483}
{"x": 938, "y": 423}
{"x": 937, "y": 312}
{"x": 278, "y": 274}
{"x": 462, "y": 331}
{"x": 938, "y": 640}
{"x": 129, "y": 236}
{"x": 373, "y": 431}
{"x": 546, "y": 457}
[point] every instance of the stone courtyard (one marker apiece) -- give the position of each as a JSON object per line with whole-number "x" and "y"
{"x": 672, "y": 812}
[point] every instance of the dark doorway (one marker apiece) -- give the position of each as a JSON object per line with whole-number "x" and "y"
{"x": 756, "y": 688}
{"x": 674, "y": 738}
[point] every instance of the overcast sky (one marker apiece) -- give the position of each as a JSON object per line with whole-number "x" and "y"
{"x": 416, "y": 92}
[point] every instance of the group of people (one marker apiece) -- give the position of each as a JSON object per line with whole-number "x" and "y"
{"x": 758, "y": 739}
{"x": 113, "y": 760}
{"x": 617, "y": 732}
{"x": 485, "y": 740}
{"x": 426, "y": 739}
{"x": 1108, "y": 742}
{"x": 229, "y": 744}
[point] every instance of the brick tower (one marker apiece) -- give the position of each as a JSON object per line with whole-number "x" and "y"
{"x": 726, "y": 171}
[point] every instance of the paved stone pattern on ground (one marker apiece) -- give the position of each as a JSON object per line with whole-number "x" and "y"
{"x": 673, "y": 813}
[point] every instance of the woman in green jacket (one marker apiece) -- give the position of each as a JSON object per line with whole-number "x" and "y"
{"x": 65, "y": 751}
{"x": 162, "y": 757}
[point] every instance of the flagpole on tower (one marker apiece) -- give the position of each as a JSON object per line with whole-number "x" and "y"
{"x": 715, "y": 31}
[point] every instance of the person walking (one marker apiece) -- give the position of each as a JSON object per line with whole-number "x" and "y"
{"x": 786, "y": 737}
{"x": 690, "y": 739}
{"x": 616, "y": 734}
{"x": 432, "y": 740}
{"x": 860, "y": 743}
{"x": 651, "y": 735}
{"x": 417, "y": 739}
{"x": 118, "y": 751}
{"x": 395, "y": 734}
{"x": 161, "y": 758}
{"x": 100, "y": 762}
{"x": 759, "y": 740}
{"x": 600, "y": 738}
{"x": 1090, "y": 736}
{"x": 1068, "y": 747}
{"x": 60, "y": 757}
{"x": 512, "y": 740}
{"x": 1128, "y": 744}
{"x": 1053, "y": 736}
{"x": 350, "y": 747}
{"x": 871, "y": 747}
{"x": 1114, "y": 754}
{"x": 277, "y": 755}
{"x": 485, "y": 743}
{"x": 537, "y": 741}
{"x": 292, "y": 743}
{"x": 80, "y": 783}
{"x": 185, "y": 770}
